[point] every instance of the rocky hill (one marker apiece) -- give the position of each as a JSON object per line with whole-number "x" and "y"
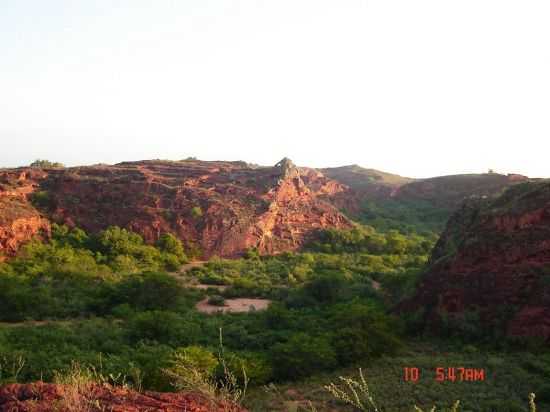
{"x": 491, "y": 266}
{"x": 223, "y": 208}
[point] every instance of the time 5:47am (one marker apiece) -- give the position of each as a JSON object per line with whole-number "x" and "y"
{"x": 447, "y": 374}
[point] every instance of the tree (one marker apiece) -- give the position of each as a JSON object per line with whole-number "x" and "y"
{"x": 149, "y": 291}
{"x": 46, "y": 164}
{"x": 168, "y": 243}
{"x": 301, "y": 356}
{"x": 326, "y": 288}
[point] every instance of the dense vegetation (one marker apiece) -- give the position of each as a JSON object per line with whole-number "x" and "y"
{"x": 108, "y": 303}
{"x": 113, "y": 302}
{"x": 77, "y": 275}
{"x": 407, "y": 216}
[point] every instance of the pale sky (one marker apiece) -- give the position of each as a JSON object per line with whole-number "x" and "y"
{"x": 418, "y": 88}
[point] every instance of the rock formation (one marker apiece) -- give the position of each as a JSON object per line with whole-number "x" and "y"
{"x": 19, "y": 220}
{"x": 222, "y": 207}
{"x": 493, "y": 263}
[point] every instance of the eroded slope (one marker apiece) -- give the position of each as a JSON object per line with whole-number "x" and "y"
{"x": 222, "y": 207}
{"x": 492, "y": 264}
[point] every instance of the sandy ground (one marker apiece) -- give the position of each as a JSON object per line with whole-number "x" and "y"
{"x": 202, "y": 286}
{"x": 233, "y": 306}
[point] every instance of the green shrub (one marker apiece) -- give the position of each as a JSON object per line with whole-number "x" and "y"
{"x": 192, "y": 360}
{"x": 196, "y": 212}
{"x": 302, "y": 355}
{"x": 171, "y": 245}
{"x": 41, "y": 199}
{"x": 216, "y": 300}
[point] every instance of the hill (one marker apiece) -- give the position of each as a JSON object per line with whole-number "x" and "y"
{"x": 491, "y": 266}
{"x": 364, "y": 180}
{"x": 222, "y": 208}
{"x": 388, "y": 201}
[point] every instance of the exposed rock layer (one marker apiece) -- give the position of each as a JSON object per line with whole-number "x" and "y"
{"x": 222, "y": 207}
{"x": 19, "y": 220}
{"x": 493, "y": 260}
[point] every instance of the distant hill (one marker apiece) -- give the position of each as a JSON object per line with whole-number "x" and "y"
{"x": 361, "y": 179}
{"x": 389, "y": 201}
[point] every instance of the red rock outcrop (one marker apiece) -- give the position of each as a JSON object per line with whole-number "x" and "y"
{"x": 43, "y": 397}
{"x": 19, "y": 220}
{"x": 222, "y": 207}
{"x": 493, "y": 260}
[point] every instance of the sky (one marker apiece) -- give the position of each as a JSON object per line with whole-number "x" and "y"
{"x": 414, "y": 87}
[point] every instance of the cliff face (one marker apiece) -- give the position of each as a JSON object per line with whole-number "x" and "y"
{"x": 494, "y": 260}
{"x": 222, "y": 207}
{"x": 19, "y": 220}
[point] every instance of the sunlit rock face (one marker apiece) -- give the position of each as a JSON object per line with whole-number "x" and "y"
{"x": 19, "y": 220}
{"x": 223, "y": 208}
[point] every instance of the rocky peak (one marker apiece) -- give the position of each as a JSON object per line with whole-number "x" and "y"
{"x": 287, "y": 167}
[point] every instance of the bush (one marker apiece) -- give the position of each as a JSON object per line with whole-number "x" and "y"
{"x": 256, "y": 366}
{"x": 149, "y": 291}
{"x": 301, "y": 356}
{"x": 158, "y": 326}
{"x": 216, "y": 300}
{"x": 327, "y": 288}
{"x": 188, "y": 362}
{"x": 46, "y": 164}
{"x": 196, "y": 212}
{"x": 171, "y": 245}
{"x": 41, "y": 199}
{"x": 171, "y": 262}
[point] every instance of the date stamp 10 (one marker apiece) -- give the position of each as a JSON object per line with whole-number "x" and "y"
{"x": 447, "y": 374}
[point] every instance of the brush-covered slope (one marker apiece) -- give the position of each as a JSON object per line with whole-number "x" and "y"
{"x": 368, "y": 181}
{"x": 492, "y": 264}
{"x": 223, "y": 208}
{"x": 389, "y": 201}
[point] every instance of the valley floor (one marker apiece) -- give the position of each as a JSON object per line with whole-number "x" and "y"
{"x": 508, "y": 381}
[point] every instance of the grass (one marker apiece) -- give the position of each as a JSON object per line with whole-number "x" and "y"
{"x": 225, "y": 391}
{"x": 509, "y": 379}
{"x": 77, "y": 386}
